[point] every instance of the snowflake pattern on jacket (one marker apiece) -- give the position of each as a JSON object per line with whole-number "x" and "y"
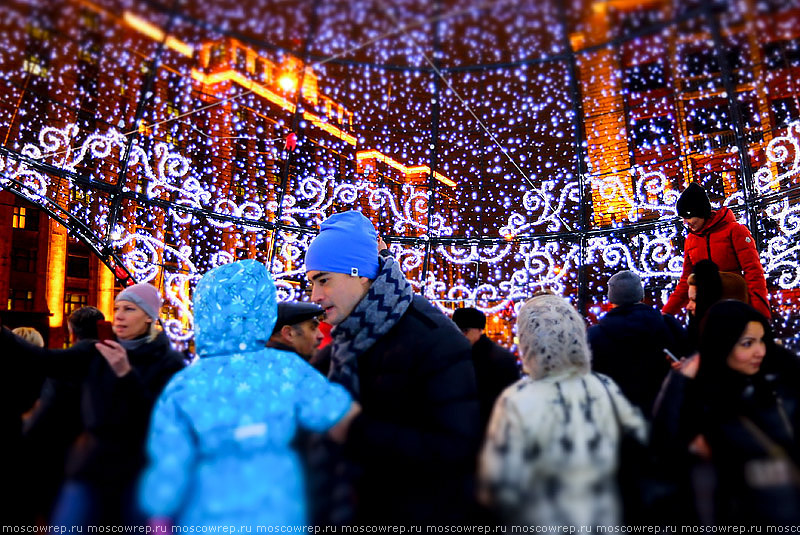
{"x": 219, "y": 438}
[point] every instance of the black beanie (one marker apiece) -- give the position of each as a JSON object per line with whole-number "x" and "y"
{"x": 693, "y": 202}
{"x": 469, "y": 318}
{"x": 708, "y": 284}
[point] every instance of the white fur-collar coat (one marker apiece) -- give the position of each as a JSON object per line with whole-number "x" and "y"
{"x": 550, "y": 455}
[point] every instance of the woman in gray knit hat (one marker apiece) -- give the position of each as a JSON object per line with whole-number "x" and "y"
{"x": 550, "y": 455}
{"x": 119, "y": 378}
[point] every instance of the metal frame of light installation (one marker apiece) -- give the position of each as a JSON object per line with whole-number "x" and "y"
{"x": 543, "y": 260}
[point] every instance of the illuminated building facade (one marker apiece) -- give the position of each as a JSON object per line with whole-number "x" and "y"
{"x": 245, "y": 154}
{"x": 698, "y": 100}
{"x": 500, "y": 149}
{"x": 660, "y": 102}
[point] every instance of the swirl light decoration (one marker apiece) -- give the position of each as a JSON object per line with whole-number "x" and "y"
{"x": 501, "y": 148}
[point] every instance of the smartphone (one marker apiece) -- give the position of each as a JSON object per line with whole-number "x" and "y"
{"x": 105, "y": 330}
{"x": 669, "y": 353}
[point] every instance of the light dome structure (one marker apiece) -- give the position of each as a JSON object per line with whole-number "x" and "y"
{"x": 500, "y": 147}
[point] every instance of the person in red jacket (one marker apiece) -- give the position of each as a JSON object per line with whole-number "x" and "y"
{"x": 716, "y": 235}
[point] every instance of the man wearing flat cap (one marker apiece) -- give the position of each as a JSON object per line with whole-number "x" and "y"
{"x": 717, "y": 236}
{"x": 297, "y": 329}
{"x": 418, "y": 434}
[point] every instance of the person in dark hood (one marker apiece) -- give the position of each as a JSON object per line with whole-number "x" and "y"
{"x": 716, "y": 236}
{"x": 629, "y": 340}
{"x": 738, "y": 404}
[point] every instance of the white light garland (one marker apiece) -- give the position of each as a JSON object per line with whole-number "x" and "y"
{"x": 542, "y": 264}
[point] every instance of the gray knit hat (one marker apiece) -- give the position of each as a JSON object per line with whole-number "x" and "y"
{"x": 143, "y": 295}
{"x": 625, "y": 288}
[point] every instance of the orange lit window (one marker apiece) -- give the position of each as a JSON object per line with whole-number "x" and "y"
{"x": 18, "y": 220}
{"x": 20, "y": 300}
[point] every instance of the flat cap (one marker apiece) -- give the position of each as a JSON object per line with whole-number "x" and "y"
{"x": 293, "y": 312}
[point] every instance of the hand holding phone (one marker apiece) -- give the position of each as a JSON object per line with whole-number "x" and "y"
{"x": 105, "y": 331}
{"x": 669, "y": 353}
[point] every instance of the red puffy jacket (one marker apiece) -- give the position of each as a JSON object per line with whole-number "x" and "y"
{"x": 729, "y": 245}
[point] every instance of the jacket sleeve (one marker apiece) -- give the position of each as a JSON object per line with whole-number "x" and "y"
{"x": 630, "y": 416}
{"x": 321, "y": 404}
{"x": 504, "y": 474}
{"x": 746, "y": 253}
{"x": 172, "y": 452}
{"x": 135, "y": 394}
{"x": 680, "y": 295}
{"x": 677, "y": 336}
{"x": 674, "y": 416}
{"x": 598, "y": 342}
{"x": 449, "y": 434}
{"x": 68, "y": 363}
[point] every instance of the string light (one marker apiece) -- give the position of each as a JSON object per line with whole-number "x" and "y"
{"x": 465, "y": 155}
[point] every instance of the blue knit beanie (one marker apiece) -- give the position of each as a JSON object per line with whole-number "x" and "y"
{"x": 347, "y": 243}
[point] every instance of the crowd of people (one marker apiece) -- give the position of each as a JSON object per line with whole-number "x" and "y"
{"x": 390, "y": 412}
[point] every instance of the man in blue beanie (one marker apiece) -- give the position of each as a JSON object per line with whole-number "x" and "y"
{"x": 411, "y": 370}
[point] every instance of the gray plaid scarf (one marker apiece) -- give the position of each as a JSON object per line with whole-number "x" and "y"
{"x": 386, "y": 301}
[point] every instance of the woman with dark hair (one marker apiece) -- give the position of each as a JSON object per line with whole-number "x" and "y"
{"x": 737, "y": 404}
{"x": 708, "y": 285}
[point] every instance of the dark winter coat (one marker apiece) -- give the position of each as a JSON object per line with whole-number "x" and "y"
{"x": 628, "y": 345}
{"x": 49, "y": 432}
{"x": 495, "y": 369}
{"x": 418, "y": 435}
{"x": 729, "y": 245}
{"x": 18, "y": 392}
{"x": 115, "y": 411}
{"x": 687, "y": 408}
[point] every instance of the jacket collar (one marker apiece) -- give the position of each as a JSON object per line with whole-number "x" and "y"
{"x": 719, "y": 218}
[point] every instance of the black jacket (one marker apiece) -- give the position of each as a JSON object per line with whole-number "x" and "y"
{"x": 689, "y": 407}
{"x": 19, "y": 388}
{"x": 627, "y": 345}
{"x": 418, "y": 435}
{"x": 115, "y": 411}
{"x": 495, "y": 369}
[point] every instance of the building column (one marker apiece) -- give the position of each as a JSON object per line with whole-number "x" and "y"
{"x": 6, "y": 237}
{"x": 105, "y": 290}
{"x": 56, "y": 278}
{"x": 605, "y": 128}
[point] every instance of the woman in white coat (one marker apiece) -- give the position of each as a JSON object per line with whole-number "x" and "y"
{"x": 550, "y": 456}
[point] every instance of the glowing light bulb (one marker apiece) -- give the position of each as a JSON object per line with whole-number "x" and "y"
{"x": 288, "y": 82}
